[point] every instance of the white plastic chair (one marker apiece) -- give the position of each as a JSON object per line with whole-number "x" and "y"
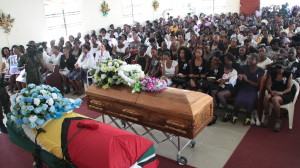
{"x": 290, "y": 107}
{"x": 87, "y": 84}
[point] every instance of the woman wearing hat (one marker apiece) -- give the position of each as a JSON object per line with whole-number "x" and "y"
{"x": 279, "y": 86}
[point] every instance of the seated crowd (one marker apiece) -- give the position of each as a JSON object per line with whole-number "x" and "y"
{"x": 223, "y": 55}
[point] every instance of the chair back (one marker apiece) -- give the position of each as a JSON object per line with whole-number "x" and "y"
{"x": 297, "y": 90}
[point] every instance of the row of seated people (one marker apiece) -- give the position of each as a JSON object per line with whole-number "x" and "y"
{"x": 222, "y": 77}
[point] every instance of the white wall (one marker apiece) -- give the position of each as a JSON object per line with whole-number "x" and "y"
{"x": 29, "y": 24}
{"x": 233, "y": 6}
{"x": 93, "y": 19}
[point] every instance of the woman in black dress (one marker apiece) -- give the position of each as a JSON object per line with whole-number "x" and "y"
{"x": 185, "y": 55}
{"x": 233, "y": 47}
{"x": 66, "y": 65}
{"x": 76, "y": 50}
{"x": 279, "y": 87}
{"x": 197, "y": 69}
{"x": 214, "y": 70}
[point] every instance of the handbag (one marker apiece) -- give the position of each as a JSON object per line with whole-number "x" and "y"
{"x": 203, "y": 84}
{"x": 178, "y": 80}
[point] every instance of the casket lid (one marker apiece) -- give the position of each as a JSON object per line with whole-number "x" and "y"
{"x": 179, "y": 102}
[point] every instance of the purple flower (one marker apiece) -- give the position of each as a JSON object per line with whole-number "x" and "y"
{"x": 152, "y": 84}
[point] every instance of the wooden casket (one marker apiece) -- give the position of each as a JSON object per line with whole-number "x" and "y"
{"x": 180, "y": 112}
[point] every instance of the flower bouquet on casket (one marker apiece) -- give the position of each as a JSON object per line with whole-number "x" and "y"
{"x": 116, "y": 72}
{"x": 152, "y": 84}
{"x": 106, "y": 73}
{"x": 35, "y": 105}
{"x": 130, "y": 75}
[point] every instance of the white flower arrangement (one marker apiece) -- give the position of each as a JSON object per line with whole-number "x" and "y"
{"x": 115, "y": 72}
{"x": 106, "y": 73}
{"x": 130, "y": 74}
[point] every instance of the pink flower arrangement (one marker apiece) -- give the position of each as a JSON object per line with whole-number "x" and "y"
{"x": 152, "y": 84}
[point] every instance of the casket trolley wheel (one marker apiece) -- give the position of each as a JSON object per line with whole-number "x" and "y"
{"x": 193, "y": 143}
{"x": 182, "y": 161}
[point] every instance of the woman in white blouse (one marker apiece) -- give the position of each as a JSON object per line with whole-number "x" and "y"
{"x": 84, "y": 63}
{"x": 55, "y": 57}
{"x": 264, "y": 61}
{"x": 102, "y": 54}
{"x": 94, "y": 46}
{"x": 169, "y": 68}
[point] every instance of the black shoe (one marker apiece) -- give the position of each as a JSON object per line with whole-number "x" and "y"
{"x": 227, "y": 117}
{"x": 3, "y": 128}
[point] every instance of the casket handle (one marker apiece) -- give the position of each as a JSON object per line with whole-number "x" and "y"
{"x": 98, "y": 103}
{"x": 96, "y": 107}
{"x": 131, "y": 112}
{"x": 128, "y": 117}
{"x": 175, "y": 124}
{"x": 175, "y": 129}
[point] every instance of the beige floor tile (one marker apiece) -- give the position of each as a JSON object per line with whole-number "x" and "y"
{"x": 220, "y": 138}
{"x": 207, "y": 156}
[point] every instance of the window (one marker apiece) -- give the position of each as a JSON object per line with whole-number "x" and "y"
{"x": 62, "y": 19}
{"x": 132, "y": 11}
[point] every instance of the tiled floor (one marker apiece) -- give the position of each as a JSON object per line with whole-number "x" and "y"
{"x": 214, "y": 145}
